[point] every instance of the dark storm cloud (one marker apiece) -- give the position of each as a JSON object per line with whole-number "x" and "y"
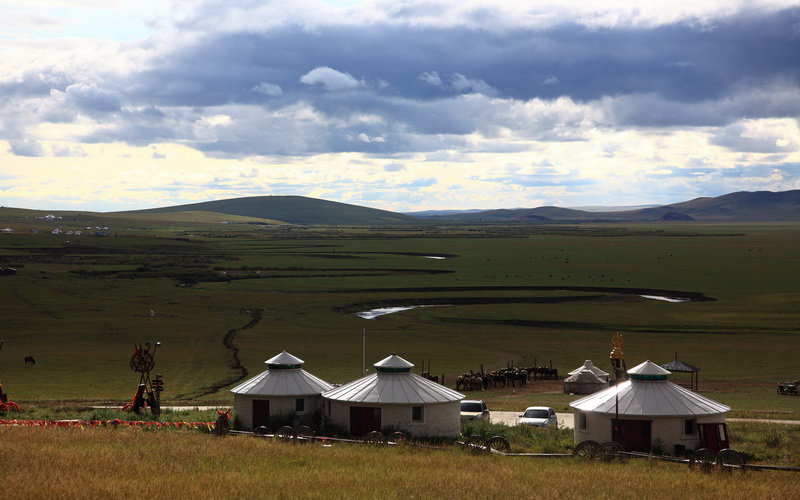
{"x": 381, "y": 89}
{"x": 679, "y": 62}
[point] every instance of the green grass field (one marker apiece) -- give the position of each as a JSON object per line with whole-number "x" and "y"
{"x": 505, "y": 294}
{"x": 525, "y": 295}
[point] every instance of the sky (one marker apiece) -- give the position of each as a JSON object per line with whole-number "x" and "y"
{"x": 401, "y": 105}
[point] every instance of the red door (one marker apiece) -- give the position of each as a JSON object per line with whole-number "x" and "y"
{"x": 633, "y": 435}
{"x": 260, "y": 413}
{"x": 713, "y": 436}
{"x": 364, "y": 420}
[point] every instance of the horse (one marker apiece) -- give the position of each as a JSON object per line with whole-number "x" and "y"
{"x": 29, "y": 360}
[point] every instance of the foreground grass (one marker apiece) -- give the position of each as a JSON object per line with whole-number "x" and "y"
{"x": 106, "y": 463}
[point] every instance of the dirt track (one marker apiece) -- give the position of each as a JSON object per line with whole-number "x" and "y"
{"x": 235, "y": 365}
{"x": 565, "y": 420}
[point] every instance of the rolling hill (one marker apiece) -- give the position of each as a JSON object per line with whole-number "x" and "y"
{"x": 292, "y": 210}
{"x": 743, "y": 206}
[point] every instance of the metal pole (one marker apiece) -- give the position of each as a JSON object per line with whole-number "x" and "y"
{"x": 615, "y": 435}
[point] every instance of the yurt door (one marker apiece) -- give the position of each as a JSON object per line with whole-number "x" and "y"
{"x": 364, "y": 420}
{"x": 713, "y": 436}
{"x": 260, "y": 412}
{"x": 633, "y": 435}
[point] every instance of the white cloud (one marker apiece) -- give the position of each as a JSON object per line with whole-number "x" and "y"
{"x": 269, "y": 89}
{"x": 331, "y": 79}
{"x": 432, "y": 78}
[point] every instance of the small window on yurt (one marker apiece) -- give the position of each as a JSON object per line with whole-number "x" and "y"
{"x": 417, "y": 415}
{"x": 690, "y": 427}
{"x": 300, "y": 405}
{"x": 581, "y": 420}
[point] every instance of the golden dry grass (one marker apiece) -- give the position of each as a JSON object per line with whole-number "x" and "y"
{"x": 126, "y": 463}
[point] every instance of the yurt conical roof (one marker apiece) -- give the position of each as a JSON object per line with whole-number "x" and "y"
{"x": 393, "y": 383}
{"x": 283, "y": 378}
{"x": 589, "y": 365}
{"x": 584, "y": 377}
{"x": 649, "y": 394}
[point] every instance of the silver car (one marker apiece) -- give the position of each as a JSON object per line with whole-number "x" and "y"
{"x": 539, "y": 416}
{"x": 474, "y": 409}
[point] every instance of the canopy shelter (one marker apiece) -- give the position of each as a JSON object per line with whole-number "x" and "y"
{"x": 682, "y": 367}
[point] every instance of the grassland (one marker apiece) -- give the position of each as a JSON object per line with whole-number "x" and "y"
{"x": 224, "y": 294}
{"x": 506, "y": 294}
{"x": 118, "y": 463}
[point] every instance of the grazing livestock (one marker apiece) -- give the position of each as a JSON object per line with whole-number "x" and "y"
{"x": 29, "y": 360}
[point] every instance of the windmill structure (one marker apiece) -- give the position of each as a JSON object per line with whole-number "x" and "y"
{"x": 148, "y": 392}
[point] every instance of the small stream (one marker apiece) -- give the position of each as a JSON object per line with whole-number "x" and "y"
{"x": 381, "y": 311}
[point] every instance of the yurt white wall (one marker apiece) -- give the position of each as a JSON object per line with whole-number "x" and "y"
{"x": 278, "y": 405}
{"x": 671, "y": 431}
{"x": 442, "y": 419}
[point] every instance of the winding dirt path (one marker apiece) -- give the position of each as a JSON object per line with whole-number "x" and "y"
{"x": 239, "y": 372}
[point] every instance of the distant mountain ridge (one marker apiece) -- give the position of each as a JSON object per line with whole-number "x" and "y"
{"x": 740, "y": 206}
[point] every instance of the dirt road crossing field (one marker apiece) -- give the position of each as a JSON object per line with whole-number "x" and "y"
{"x": 565, "y": 420}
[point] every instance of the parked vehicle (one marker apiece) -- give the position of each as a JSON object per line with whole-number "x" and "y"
{"x": 474, "y": 409}
{"x": 789, "y": 388}
{"x": 539, "y": 416}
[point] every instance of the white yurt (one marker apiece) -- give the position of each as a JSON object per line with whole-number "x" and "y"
{"x": 586, "y": 379}
{"x": 589, "y": 365}
{"x": 283, "y": 389}
{"x": 583, "y": 382}
{"x": 394, "y": 397}
{"x": 652, "y": 412}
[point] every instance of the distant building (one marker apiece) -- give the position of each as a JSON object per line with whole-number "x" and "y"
{"x": 583, "y": 382}
{"x": 589, "y": 365}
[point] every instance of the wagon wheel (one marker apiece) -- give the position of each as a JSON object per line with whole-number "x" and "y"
{"x": 732, "y": 458}
{"x": 398, "y": 437}
{"x": 304, "y": 433}
{"x": 498, "y": 443}
{"x": 285, "y": 433}
{"x": 611, "y": 450}
{"x": 703, "y": 460}
{"x": 475, "y": 445}
{"x": 589, "y": 450}
{"x": 142, "y": 362}
{"x": 375, "y": 438}
{"x": 261, "y": 431}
